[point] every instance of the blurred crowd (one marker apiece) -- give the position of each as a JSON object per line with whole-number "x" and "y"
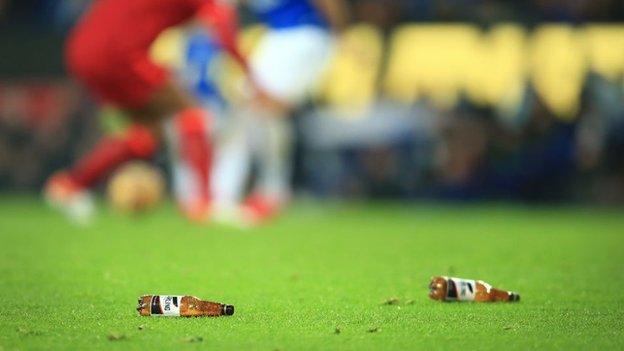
{"x": 392, "y": 150}
{"x": 470, "y": 152}
{"x": 382, "y": 12}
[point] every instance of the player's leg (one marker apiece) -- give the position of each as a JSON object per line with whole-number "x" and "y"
{"x": 149, "y": 96}
{"x": 231, "y": 169}
{"x": 68, "y": 190}
{"x": 271, "y": 137}
{"x": 203, "y": 55}
{"x": 191, "y": 163}
{"x": 96, "y": 67}
{"x": 286, "y": 79}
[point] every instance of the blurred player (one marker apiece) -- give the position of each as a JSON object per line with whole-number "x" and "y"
{"x": 203, "y": 56}
{"x": 285, "y": 66}
{"x": 108, "y": 53}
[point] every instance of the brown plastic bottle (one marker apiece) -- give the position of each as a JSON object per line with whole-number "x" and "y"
{"x": 181, "y": 306}
{"x": 457, "y": 289}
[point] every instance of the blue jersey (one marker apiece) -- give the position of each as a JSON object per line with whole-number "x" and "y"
{"x": 279, "y": 14}
{"x": 201, "y": 61}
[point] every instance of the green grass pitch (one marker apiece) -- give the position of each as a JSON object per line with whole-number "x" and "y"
{"x": 320, "y": 268}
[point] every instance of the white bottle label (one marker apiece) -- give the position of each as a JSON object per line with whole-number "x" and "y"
{"x": 461, "y": 289}
{"x": 166, "y": 305}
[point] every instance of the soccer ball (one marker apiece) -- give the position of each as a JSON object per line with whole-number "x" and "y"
{"x": 137, "y": 187}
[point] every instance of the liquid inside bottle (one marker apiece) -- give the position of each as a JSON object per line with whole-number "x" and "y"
{"x": 458, "y": 289}
{"x": 181, "y": 306}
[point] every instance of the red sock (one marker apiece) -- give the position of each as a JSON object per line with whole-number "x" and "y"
{"x": 195, "y": 148}
{"x": 110, "y": 152}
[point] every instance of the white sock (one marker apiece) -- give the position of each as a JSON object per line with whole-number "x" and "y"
{"x": 231, "y": 165}
{"x": 273, "y": 143}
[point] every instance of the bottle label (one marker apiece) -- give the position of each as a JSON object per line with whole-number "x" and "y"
{"x": 461, "y": 289}
{"x": 165, "y": 305}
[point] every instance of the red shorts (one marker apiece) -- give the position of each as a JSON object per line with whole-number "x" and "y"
{"x": 113, "y": 63}
{"x": 124, "y": 79}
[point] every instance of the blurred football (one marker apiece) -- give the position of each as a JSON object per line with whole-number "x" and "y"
{"x": 136, "y": 187}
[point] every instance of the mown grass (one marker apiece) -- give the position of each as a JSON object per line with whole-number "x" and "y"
{"x": 316, "y": 279}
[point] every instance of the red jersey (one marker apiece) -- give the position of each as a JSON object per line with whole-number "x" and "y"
{"x": 135, "y": 23}
{"x": 108, "y": 51}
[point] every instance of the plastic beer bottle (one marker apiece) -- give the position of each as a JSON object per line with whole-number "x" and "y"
{"x": 181, "y": 306}
{"x": 457, "y": 289}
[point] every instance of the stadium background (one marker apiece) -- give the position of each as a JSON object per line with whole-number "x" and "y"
{"x": 467, "y": 99}
{"x": 427, "y": 100}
